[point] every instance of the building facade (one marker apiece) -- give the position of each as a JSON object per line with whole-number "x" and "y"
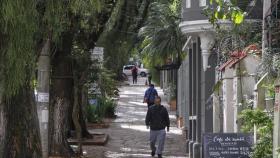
{"x": 198, "y": 108}
{"x": 197, "y": 77}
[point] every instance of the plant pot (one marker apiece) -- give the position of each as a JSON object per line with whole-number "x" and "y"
{"x": 173, "y": 105}
{"x": 180, "y": 122}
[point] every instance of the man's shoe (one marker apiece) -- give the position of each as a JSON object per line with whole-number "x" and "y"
{"x": 159, "y": 156}
{"x": 153, "y": 153}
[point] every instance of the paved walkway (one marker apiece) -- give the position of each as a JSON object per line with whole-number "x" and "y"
{"x": 129, "y": 137}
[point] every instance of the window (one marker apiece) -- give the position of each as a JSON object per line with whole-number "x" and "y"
{"x": 202, "y": 3}
{"x": 128, "y": 67}
{"x": 188, "y": 3}
{"x": 253, "y": 3}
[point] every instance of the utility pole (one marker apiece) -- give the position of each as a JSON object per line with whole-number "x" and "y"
{"x": 43, "y": 96}
{"x": 266, "y": 8}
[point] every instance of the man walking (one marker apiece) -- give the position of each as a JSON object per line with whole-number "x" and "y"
{"x": 157, "y": 119}
{"x": 150, "y": 78}
{"x": 150, "y": 95}
{"x": 134, "y": 72}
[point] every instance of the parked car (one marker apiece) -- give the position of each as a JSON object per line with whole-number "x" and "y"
{"x": 141, "y": 71}
{"x": 127, "y": 70}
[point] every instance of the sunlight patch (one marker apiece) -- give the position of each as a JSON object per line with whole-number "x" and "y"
{"x": 135, "y": 150}
{"x": 138, "y": 103}
{"x": 111, "y": 154}
{"x": 141, "y": 128}
{"x": 131, "y": 93}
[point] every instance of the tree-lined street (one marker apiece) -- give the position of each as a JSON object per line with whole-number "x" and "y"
{"x": 129, "y": 137}
{"x": 74, "y": 73}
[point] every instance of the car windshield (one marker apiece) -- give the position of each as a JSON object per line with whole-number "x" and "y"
{"x": 128, "y": 67}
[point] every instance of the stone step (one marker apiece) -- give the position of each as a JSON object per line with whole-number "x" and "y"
{"x": 97, "y": 139}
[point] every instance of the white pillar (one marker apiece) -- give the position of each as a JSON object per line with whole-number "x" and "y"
{"x": 266, "y": 7}
{"x": 276, "y": 128}
{"x": 228, "y": 106}
{"x": 207, "y": 41}
{"x": 43, "y": 96}
{"x": 216, "y": 114}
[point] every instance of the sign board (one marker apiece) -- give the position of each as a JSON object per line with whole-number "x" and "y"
{"x": 97, "y": 54}
{"x": 45, "y": 116}
{"x": 227, "y": 145}
{"x": 43, "y": 97}
{"x": 93, "y": 102}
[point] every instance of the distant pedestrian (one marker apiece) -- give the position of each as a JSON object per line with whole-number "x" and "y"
{"x": 150, "y": 95}
{"x": 150, "y": 78}
{"x": 157, "y": 119}
{"x": 134, "y": 72}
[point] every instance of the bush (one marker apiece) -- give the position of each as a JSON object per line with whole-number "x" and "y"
{"x": 264, "y": 123}
{"x": 92, "y": 115}
{"x": 105, "y": 108}
{"x": 110, "y": 109}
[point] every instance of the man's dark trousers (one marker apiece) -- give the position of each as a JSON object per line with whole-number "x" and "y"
{"x": 134, "y": 78}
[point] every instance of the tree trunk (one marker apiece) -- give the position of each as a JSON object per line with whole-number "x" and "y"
{"x": 81, "y": 96}
{"x": 76, "y": 116}
{"x": 61, "y": 100}
{"x": 2, "y": 123}
{"x": 59, "y": 121}
{"x": 83, "y": 105}
{"x": 21, "y": 127}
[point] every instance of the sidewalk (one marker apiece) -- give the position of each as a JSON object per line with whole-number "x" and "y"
{"x": 129, "y": 137}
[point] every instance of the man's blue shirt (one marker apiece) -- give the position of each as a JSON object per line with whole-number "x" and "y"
{"x": 151, "y": 94}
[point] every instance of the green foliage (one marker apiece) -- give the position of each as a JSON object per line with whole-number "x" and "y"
{"x": 237, "y": 38}
{"x": 105, "y": 108}
{"x": 108, "y": 83}
{"x": 270, "y": 89}
{"x": 270, "y": 63}
{"x": 18, "y": 25}
{"x": 264, "y": 125}
{"x": 226, "y": 10}
{"x": 162, "y": 35}
{"x": 55, "y": 19}
{"x": 120, "y": 36}
{"x": 217, "y": 86}
{"x": 105, "y": 79}
{"x": 92, "y": 114}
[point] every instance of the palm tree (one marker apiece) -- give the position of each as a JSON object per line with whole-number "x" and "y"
{"x": 162, "y": 37}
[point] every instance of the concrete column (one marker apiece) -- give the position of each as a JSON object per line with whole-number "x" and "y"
{"x": 187, "y": 95}
{"x": 43, "y": 96}
{"x": 237, "y": 99}
{"x": 206, "y": 43}
{"x": 187, "y": 102}
{"x": 228, "y": 105}
{"x": 193, "y": 97}
{"x": 216, "y": 114}
{"x": 197, "y": 147}
{"x": 266, "y": 7}
{"x": 276, "y": 127}
{"x": 180, "y": 94}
